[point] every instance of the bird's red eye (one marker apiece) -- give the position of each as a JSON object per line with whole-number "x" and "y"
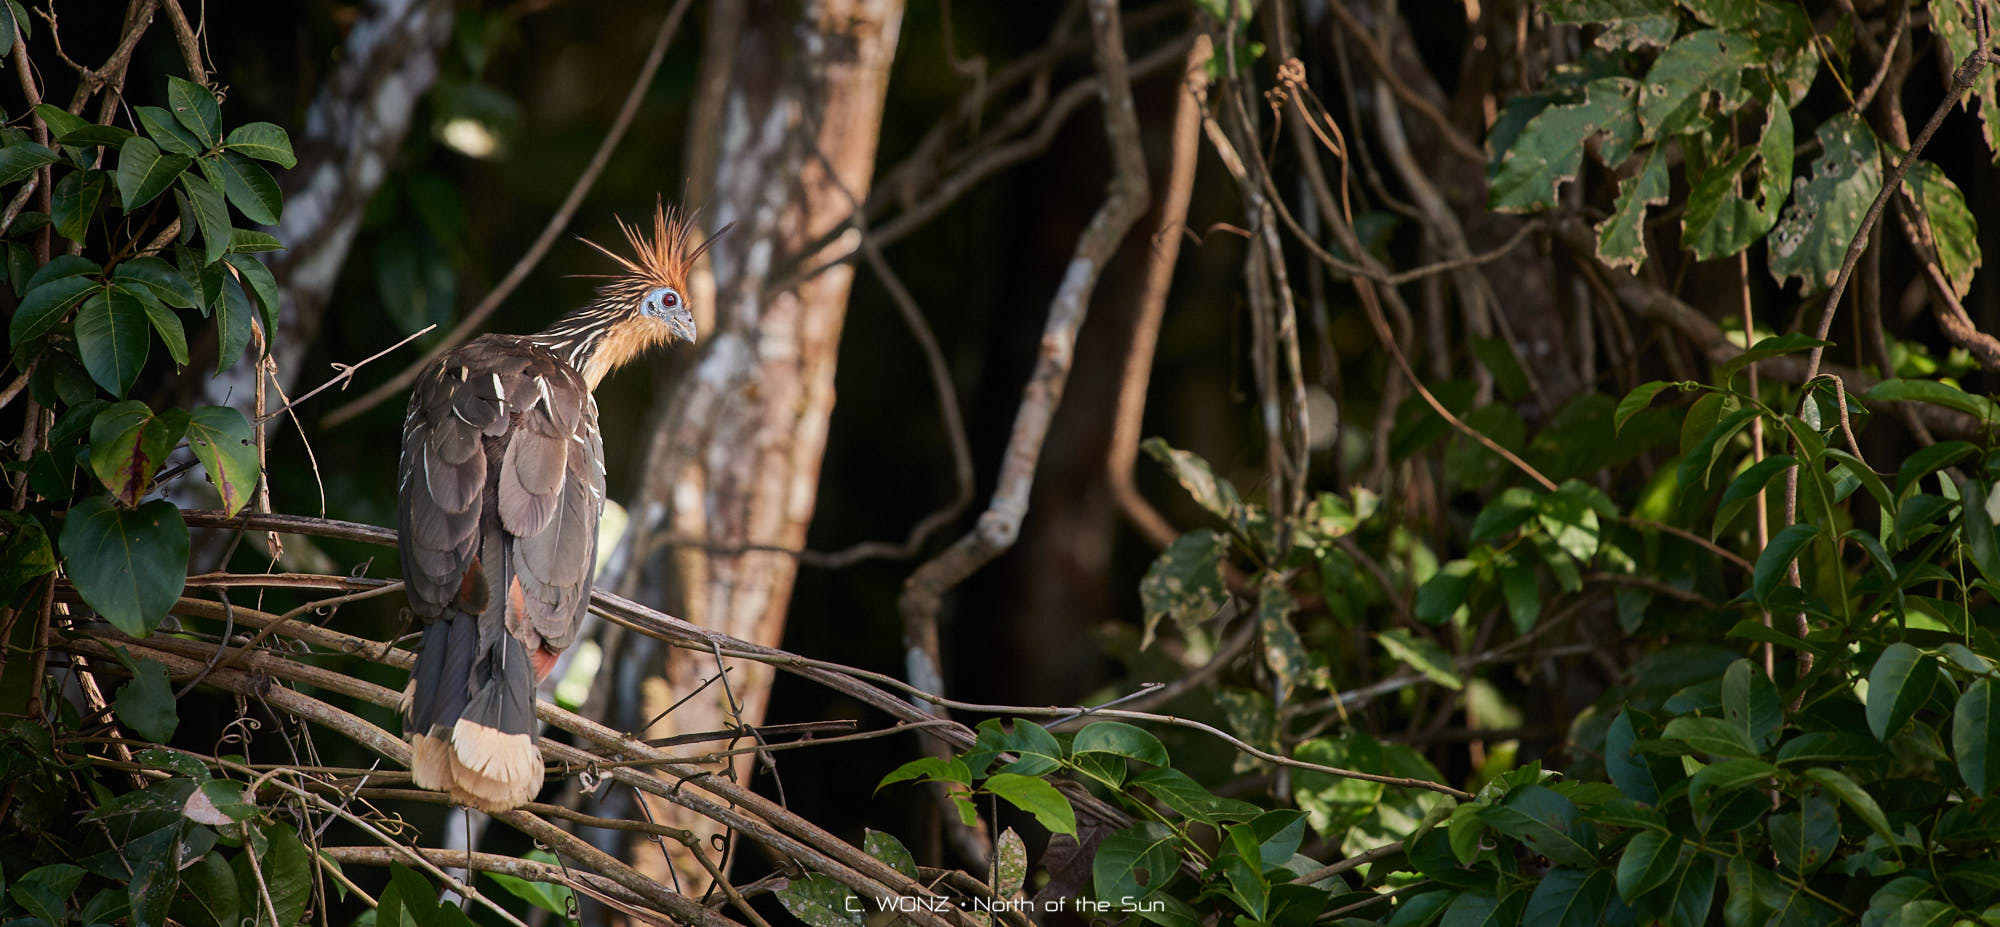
{"x": 671, "y": 299}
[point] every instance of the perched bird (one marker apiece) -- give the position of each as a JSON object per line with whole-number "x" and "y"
{"x": 502, "y": 483}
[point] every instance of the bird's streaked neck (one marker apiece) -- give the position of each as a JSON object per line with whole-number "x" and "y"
{"x": 598, "y": 339}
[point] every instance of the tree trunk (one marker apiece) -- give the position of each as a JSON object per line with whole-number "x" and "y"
{"x": 783, "y": 148}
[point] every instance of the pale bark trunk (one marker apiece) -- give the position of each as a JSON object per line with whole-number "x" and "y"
{"x": 784, "y": 154}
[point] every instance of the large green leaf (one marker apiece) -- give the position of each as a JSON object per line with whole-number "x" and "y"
{"x": 146, "y": 703}
{"x": 1422, "y": 654}
{"x": 168, "y": 325}
{"x": 1134, "y": 862}
{"x": 166, "y": 282}
{"x": 1648, "y": 862}
{"x": 196, "y": 109}
{"x": 1811, "y": 239}
{"x": 1550, "y": 148}
{"x": 233, "y": 324}
{"x": 263, "y": 141}
{"x": 1774, "y": 562}
{"x": 222, "y": 440}
{"x": 1037, "y": 797}
{"x": 257, "y": 280}
{"x": 1750, "y": 702}
{"x": 1975, "y": 737}
{"x": 1720, "y": 221}
{"x": 1855, "y": 798}
{"x": 211, "y": 215}
{"x": 129, "y": 443}
{"x": 209, "y": 897}
{"x": 1120, "y": 739}
{"x": 1621, "y": 240}
{"x": 1713, "y": 736}
{"x": 144, "y": 173}
{"x": 1953, "y": 230}
{"x": 1805, "y": 839}
{"x": 1900, "y": 682}
{"x": 287, "y": 874}
{"x": 75, "y": 201}
{"x": 247, "y": 186}
{"x": 1184, "y": 584}
{"x": 1547, "y": 823}
{"x": 113, "y": 335}
{"x": 1698, "y": 66}
{"x": 22, "y": 158}
{"x": 1937, "y": 394}
{"x": 128, "y": 564}
{"x": 1444, "y": 592}
{"x": 45, "y": 305}
{"x": 1568, "y": 898}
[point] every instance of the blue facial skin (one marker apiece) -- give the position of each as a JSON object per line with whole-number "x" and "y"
{"x": 665, "y": 303}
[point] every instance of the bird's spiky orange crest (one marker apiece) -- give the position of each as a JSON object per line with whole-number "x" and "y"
{"x": 662, "y": 258}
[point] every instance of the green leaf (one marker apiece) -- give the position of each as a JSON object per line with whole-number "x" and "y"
{"x": 1750, "y": 702}
{"x": 20, "y": 159}
{"x": 1636, "y": 402}
{"x": 164, "y": 321}
{"x": 1805, "y": 839}
{"x": 1423, "y": 655}
{"x": 1684, "y": 900}
{"x": 1184, "y": 584}
{"x": 1774, "y": 346}
{"x": 1929, "y": 460}
{"x": 1038, "y": 750}
{"x": 250, "y": 241}
{"x": 1621, "y": 239}
{"x": 1713, "y": 736}
{"x": 129, "y": 443}
{"x": 146, "y": 704}
{"x": 928, "y": 768}
{"x": 1626, "y": 768}
{"x": 1180, "y": 792}
{"x": 1550, "y": 148}
{"x": 211, "y": 215}
{"x": 1134, "y": 862}
{"x": 24, "y": 553}
{"x": 1284, "y": 651}
{"x": 222, "y": 440}
{"x": 1900, "y": 682}
{"x": 246, "y": 185}
{"x": 1444, "y": 592}
{"x": 1856, "y": 800}
{"x": 263, "y": 141}
{"x": 1568, "y": 898}
{"x": 1648, "y": 861}
{"x": 144, "y": 173}
{"x": 91, "y": 135}
{"x": 128, "y": 565}
{"x": 74, "y": 202}
{"x": 1747, "y": 487}
{"x": 1774, "y": 563}
{"x": 1508, "y": 511}
{"x": 45, "y": 305}
{"x": 821, "y": 901}
{"x": 233, "y": 314}
{"x": 1975, "y": 737}
{"x": 1719, "y": 221}
{"x": 113, "y": 335}
{"x": 888, "y": 849}
{"x": 1570, "y": 516}
{"x": 1699, "y": 461}
{"x": 1120, "y": 739}
{"x": 1682, "y": 80}
{"x": 1726, "y": 776}
{"x": 1520, "y": 587}
{"x": 197, "y": 109}
{"x": 1037, "y": 797}
{"x": 1547, "y": 823}
{"x": 208, "y": 895}
{"x": 1954, "y": 233}
{"x": 167, "y": 284}
{"x": 1194, "y": 474}
{"x": 1810, "y": 241}
{"x": 60, "y": 121}
{"x": 1937, "y": 394}
{"x": 167, "y": 132}
{"x": 550, "y": 897}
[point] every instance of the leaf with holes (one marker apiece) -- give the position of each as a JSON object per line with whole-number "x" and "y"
{"x": 1621, "y": 241}
{"x": 1184, "y": 584}
{"x": 1719, "y": 221}
{"x": 128, "y": 565}
{"x": 1550, "y": 148}
{"x": 129, "y": 443}
{"x": 1697, "y": 67}
{"x": 222, "y": 440}
{"x": 1954, "y": 233}
{"x": 1135, "y": 862}
{"x": 1811, "y": 239}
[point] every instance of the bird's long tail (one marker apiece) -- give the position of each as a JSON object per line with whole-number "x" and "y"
{"x": 470, "y": 713}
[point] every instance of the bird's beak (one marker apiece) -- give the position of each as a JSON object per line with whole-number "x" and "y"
{"x": 682, "y": 327}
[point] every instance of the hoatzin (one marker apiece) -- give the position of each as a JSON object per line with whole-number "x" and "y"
{"x": 502, "y": 483}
